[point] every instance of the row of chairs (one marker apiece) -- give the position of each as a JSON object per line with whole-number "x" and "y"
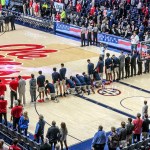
{"x": 23, "y": 140}
{"x": 142, "y": 145}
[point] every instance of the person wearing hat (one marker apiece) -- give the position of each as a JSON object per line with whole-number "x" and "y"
{"x": 3, "y": 109}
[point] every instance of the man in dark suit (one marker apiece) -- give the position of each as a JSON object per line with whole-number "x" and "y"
{"x": 6, "y": 21}
{"x": 12, "y": 21}
{"x": 133, "y": 64}
{"x": 127, "y": 66}
{"x": 1, "y": 24}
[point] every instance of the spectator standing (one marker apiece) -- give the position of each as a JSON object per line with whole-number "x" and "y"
{"x": 13, "y": 90}
{"x": 145, "y": 127}
{"x": 39, "y": 131}
{"x": 3, "y": 88}
{"x": 130, "y": 128}
{"x": 113, "y": 139}
{"x": 53, "y": 134}
{"x": 2, "y": 146}
{"x": 46, "y": 145}
{"x": 144, "y": 109}
{"x": 127, "y": 66}
{"x": 3, "y": 109}
{"x": 16, "y": 113}
{"x": 41, "y": 86}
{"x": 122, "y": 65}
{"x": 134, "y": 41}
{"x": 137, "y": 128}
{"x": 14, "y": 145}
{"x": 32, "y": 84}
{"x": 99, "y": 140}
{"x": 22, "y": 89}
{"x": 23, "y": 123}
{"x": 83, "y": 31}
{"x": 122, "y": 135}
{"x": 62, "y": 73}
{"x": 63, "y": 135}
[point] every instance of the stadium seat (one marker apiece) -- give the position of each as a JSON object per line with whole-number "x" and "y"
{"x": 32, "y": 144}
{"x": 11, "y": 133}
{"x": 131, "y": 147}
{"x": 145, "y": 142}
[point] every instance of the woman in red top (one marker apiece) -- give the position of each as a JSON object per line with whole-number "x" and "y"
{"x": 3, "y": 110}
{"x": 36, "y": 10}
{"x": 57, "y": 17}
{"x": 14, "y": 146}
{"x": 78, "y": 7}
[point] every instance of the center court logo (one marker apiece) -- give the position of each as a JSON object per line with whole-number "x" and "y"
{"x": 21, "y": 51}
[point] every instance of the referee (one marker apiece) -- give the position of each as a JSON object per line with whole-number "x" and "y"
{"x": 83, "y": 31}
{"x": 89, "y": 35}
{"x": 95, "y": 31}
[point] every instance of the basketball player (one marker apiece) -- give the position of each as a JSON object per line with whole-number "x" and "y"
{"x": 108, "y": 63}
{"x": 41, "y": 86}
{"x": 116, "y": 63}
{"x": 62, "y": 72}
{"x": 57, "y": 81}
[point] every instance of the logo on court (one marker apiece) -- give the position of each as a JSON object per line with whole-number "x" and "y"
{"x": 109, "y": 92}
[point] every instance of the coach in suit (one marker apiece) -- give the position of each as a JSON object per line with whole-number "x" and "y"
{"x": 127, "y": 65}
{"x": 21, "y": 89}
{"x": 122, "y": 65}
{"x": 133, "y": 64}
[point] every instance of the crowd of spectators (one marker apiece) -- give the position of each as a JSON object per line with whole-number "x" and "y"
{"x": 134, "y": 130}
{"x": 117, "y": 17}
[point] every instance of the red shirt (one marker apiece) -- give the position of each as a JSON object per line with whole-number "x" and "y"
{"x": 92, "y": 10}
{"x": 3, "y": 106}
{"x": 16, "y": 111}
{"x": 14, "y": 85}
{"x": 14, "y": 147}
{"x": 30, "y": 4}
{"x": 78, "y": 7}
{"x": 36, "y": 8}
{"x": 137, "y": 126}
{"x": 0, "y": 7}
{"x": 2, "y": 88}
{"x": 58, "y": 17}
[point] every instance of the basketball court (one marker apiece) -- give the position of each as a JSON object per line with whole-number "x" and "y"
{"x": 25, "y": 51}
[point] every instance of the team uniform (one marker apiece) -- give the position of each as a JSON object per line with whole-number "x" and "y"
{"x": 40, "y": 83}
{"x": 70, "y": 86}
{"x": 100, "y": 68}
{"x": 56, "y": 80}
{"x": 83, "y": 83}
{"x": 50, "y": 89}
{"x": 97, "y": 79}
{"x": 90, "y": 70}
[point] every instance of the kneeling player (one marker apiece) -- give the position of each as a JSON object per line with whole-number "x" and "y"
{"x": 97, "y": 80}
{"x": 50, "y": 89}
{"x": 70, "y": 86}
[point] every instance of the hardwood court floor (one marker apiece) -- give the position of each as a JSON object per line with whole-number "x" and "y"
{"x": 81, "y": 116}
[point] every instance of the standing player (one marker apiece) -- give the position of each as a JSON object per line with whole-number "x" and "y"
{"x": 57, "y": 81}
{"x": 90, "y": 69}
{"x": 108, "y": 64}
{"x": 83, "y": 31}
{"x": 41, "y": 86}
{"x": 116, "y": 63}
{"x": 13, "y": 91}
{"x": 2, "y": 88}
{"x": 89, "y": 35}
{"x": 100, "y": 67}
{"x": 95, "y": 31}
{"x": 62, "y": 72}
